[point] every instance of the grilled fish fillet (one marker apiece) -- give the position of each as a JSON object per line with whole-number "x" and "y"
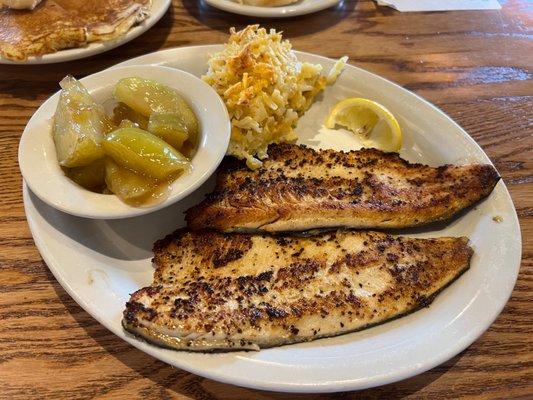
{"x": 299, "y": 188}
{"x": 216, "y": 291}
{"x": 58, "y": 24}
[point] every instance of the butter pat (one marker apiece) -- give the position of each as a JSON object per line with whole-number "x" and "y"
{"x": 21, "y": 4}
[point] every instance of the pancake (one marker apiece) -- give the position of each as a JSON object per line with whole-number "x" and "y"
{"x": 59, "y": 24}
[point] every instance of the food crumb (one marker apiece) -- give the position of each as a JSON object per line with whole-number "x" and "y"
{"x": 497, "y": 218}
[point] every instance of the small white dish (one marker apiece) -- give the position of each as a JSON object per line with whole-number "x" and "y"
{"x": 157, "y": 10}
{"x": 301, "y": 7}
{"x": 42, "y": 173}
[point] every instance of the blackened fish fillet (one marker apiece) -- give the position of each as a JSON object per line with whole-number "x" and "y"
{"x": 299, "y": 188}
{"x": 215, "y": 291}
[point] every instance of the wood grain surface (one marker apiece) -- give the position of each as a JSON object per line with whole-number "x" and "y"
{"x": 475, "y": 65}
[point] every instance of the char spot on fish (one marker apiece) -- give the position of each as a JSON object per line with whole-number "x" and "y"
{"x": 236, "y": 248}
{"x": 392, "y": 257}
{"x": 265, "y": 276}
{"x": 298, "y": 253}
{"x": 254, "y": 314}
{"x": 281, "y": 241}
{"x": 296, "y": 311}
{"x": 354, "y": 300}
{"x": 274, "y": 312}
{"x": 358, "y": 190}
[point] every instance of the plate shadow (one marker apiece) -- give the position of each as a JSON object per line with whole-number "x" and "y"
{"x": 123, "y": 239}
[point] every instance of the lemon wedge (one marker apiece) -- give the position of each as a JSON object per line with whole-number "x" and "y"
{"x": 376, "y": 125}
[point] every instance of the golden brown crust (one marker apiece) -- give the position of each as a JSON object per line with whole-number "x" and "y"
{"x": 58, "y": 24}
{"x": 298, "y": 188}
{"x": 273, "y": 290}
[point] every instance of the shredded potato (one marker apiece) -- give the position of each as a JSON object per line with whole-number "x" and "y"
{"x": 265, "y": 89}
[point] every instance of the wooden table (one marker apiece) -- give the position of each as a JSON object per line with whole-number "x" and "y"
{"x": 474, "y": 65}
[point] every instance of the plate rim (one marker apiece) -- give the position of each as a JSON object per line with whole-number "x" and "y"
{"x": 291, "y": 10}
{"x": 321, "y": 387}
{"x": 92, "y": 49}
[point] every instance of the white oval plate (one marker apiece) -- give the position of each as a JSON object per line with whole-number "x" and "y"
{"x": 158, "y": 9}
{"x": 301, "y": 7}
{"x": 42, "y": 173}
{"x": 100, "y": 263}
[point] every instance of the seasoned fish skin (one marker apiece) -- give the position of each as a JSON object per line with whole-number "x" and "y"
{"x": 218, "y": 292}
{"x": 299, "y": 188}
